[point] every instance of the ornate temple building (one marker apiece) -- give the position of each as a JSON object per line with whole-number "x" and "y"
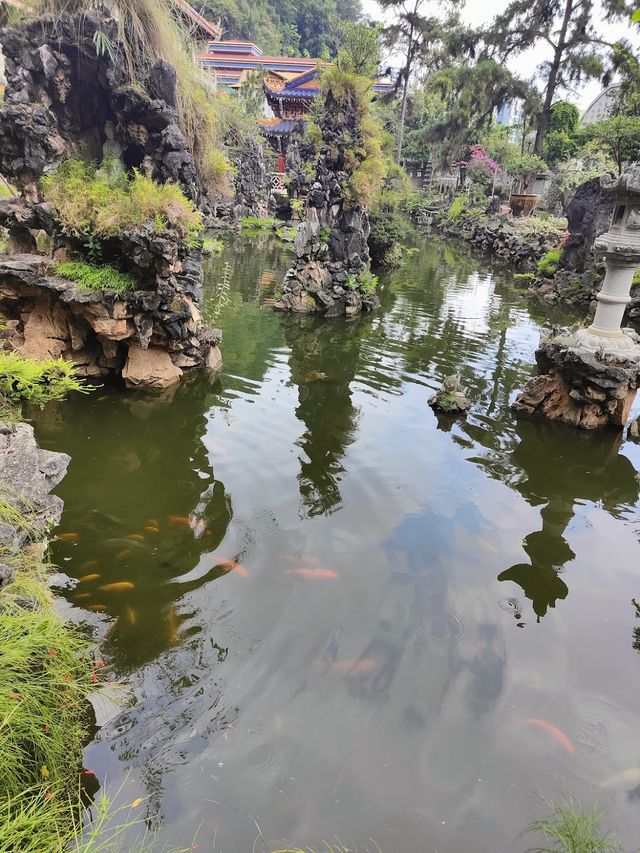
{"x": 290, "y": 83}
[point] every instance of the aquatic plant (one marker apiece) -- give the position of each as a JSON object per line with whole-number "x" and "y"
{"x": 92, "y": 277}
{"x": 548, "y": 264}
{"x": 37, "y": 382}
{"x": 568, "y": 828}
{"x": 104, "y": 202}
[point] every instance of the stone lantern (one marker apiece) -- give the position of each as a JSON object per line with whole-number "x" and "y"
{"x": 621, "y": 248}
{"x": 589, "y": 377}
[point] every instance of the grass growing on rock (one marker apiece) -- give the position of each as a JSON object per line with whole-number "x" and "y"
{"x": 548, "y": 265}
{"x": 104, "y": 202}
{"x": 91, "y": 277}
{"x": 36, "y": 382}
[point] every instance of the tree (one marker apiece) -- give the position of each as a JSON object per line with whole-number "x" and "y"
{"x": 567, "y": 27}
{"x": 561, "y": 141}
{"x": 619, "y": 137}
{"x": 415, "y": 36}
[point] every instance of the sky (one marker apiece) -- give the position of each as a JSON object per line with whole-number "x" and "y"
{"x": 477, "y": 12}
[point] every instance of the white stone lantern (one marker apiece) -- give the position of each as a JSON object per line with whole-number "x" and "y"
{"x": 621, "y": 248}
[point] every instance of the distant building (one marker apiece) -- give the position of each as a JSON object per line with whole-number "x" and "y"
{"x": 290, "y": 83}
{"x": 603, "y": 106}
{"x": 511, "y": 114}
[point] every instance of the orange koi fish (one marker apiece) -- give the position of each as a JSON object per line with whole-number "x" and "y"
{"x": 81, "y": 595}
{"x": 131, "y": 615}
{"x": 118, "y": 586}
{"x": 232, "y": 566}
{"x": 150, "y": 528}
{"x": 180, "y": 519}
{"x": 122, "y": 554}
{"x": 97, "y": 608}
{"x": 313, "y": 574}
{"x": 554, "y": 733}
{"x": 89, "y": 564}
{"x": 136, "y": 537}
{"x": 67, "y": 537}
{"x": 88, "y": 578}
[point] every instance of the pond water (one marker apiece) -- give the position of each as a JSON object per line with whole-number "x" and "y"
{"x": 431, "y": 623}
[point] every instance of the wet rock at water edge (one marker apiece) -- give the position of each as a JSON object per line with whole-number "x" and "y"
{"x": 450, "y": 399}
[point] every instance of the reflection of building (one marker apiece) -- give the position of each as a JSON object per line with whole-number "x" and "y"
{"x": 602, "y": 107}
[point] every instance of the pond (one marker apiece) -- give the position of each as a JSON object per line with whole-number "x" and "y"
{"x": 344, "y": 617}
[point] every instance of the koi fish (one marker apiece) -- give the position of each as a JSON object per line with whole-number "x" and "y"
{"x": 97, "y": 608}
{"x": 153, "y": 522}
{"x": 232, "y": 566}
{"x": 627, "y": 779}
{"x": 313, "y": 574}
{"x": 554, "y": 732}
{"x": 124, "y": 543}
{"x": 81, "y": 595}
{"x": 89, "y": 564}
{"x": 67, "y": 537}
{"x": 302, "y": 558}
{"x": 180, "y": 519}
{"x": 122, "y": 554}
{"x": 118, "y": 586}
{"x": 88, "y": 578}
{"x": 354, "y": 666}
{"x": 131, "y": 615}
{"x": 150, "y": 528}
{"x": 136, "y": 537}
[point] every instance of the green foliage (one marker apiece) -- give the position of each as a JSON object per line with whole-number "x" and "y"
{"x": 104, "y": 202}
{"x": 217, "y": 170}
{"x": 569, "y": 829}
{"x": 212, "y": 246}
{"x": 282, "y": 27}
{"x": 457, "y": 208}
{"x": 360, "y": 50}
{"x": 95, "y": 278}
{"x": 297, "y": 205}
{"x": 619, "y": 137}
{"x": 548, "y": 265}
{"x": 265, "y": 222}
{"x": 565, "y": 117}
{"x": 366, "y": 282}
{"x": 388, "y": 230}
{"x": 323, "y": 234}
{"x": 37, "y": 382}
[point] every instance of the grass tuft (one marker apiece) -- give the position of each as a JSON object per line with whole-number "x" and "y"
{"x": 568, "y": 828}
{"x": 37, "y": 382}
{"x": 91, "y": 277}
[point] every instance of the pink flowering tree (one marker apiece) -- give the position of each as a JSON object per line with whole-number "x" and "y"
{"x": 482, "y": 167}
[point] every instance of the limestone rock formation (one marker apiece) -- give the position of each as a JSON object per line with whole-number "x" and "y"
{"x": 63, "y": 98}
{"x": 450, "y": 399}
{"x": 252, "y": 182}
{"x": 148, "y": 336}
{"x": 29, "y": 474}
{"x": 581, "y": 388}
{"x": 331, "y": 271}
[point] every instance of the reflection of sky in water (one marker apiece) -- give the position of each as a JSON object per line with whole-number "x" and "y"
{"x": 389, "y": 703}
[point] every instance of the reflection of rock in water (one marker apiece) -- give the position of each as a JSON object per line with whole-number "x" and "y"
{"x": 324, "y": 361}
{"x": 558, "y": 469}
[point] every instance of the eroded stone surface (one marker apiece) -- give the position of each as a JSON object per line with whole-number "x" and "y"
{"x": 149, "y": 368}
{"x": 589, "y": 390}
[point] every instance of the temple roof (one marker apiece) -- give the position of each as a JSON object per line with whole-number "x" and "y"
{"x": 278, "y": 126}
{"x": 208, "y": 29}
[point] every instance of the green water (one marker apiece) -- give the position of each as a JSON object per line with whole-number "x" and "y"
{"x": 475, "y": 576}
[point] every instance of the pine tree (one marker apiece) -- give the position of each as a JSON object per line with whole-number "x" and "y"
{"x": 567, "y": 27}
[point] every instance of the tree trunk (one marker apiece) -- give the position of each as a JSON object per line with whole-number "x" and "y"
{"x": 405, "y": 90}
{"x": 552, "y": 83}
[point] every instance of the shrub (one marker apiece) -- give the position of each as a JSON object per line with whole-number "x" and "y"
{"x": 523, "y": 277}
{"x": 548, "y": 265}
{"x": 457, "y": 208}
{"x": 96, "y": 278}
{"x": 104, "y": 202}
{"x": 257, "y": 222}
{"x": 387, "y": 231}
{"x": 36, "y": 381}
